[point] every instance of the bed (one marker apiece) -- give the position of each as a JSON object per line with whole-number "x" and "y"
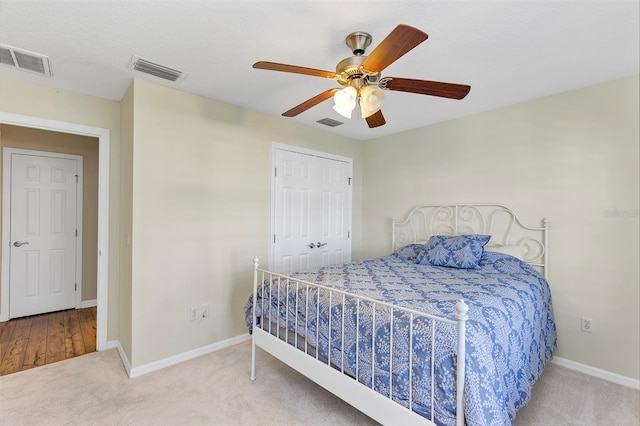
{"x": 454, "y": 326}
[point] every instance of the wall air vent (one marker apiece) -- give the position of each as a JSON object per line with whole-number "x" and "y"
{"x": 25, "y": 60}
{"x": 161, "y": 71}
{"x": 330, "y": 122}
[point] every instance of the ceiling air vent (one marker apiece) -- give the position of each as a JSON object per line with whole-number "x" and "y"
{"x": 330, "y": 122}
{"x": 25, "y": 60}
{"x": 161, "y": 71}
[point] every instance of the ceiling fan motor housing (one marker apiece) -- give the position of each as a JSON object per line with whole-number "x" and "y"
{"x": 349, "y": 72}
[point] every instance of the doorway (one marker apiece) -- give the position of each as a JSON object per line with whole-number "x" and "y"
{"x": 102, "y": 249}
{"x": 36, "y": 340}
{"x": 45, "y": 225}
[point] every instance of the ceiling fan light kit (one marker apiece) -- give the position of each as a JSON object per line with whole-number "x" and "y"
{"x": 371, "y": 98}
{"x": 345, "y": 100}
{"x": 360, "y": 76}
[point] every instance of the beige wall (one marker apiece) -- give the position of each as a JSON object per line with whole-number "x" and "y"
{"x": 201, "y": 187}
{"x": 87, "y": 147}
{"x": 194, "y": 203}
{"x": 32, "y": 100}
{"x": 571, "y": 157}
{"x": 193, "y": 195}
{"x": 126, "y": 209}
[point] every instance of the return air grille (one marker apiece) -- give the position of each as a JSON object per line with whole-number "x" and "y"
{"x": 330, "y": 122}
{"x": 6, "y": 57}
{"x": 155, "y": 69}
{"x": 25, "y": 60}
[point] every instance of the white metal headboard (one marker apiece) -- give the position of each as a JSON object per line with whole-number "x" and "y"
{"x": 496, "y": 220}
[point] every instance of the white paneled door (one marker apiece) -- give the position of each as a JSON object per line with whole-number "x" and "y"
{"x": 311, "y": 205}
{"x": 42, "y": 276}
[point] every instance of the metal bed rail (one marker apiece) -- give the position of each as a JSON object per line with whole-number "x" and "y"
{"x": 280, "y": 329}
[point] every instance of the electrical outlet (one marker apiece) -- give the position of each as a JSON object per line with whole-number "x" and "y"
{"x": 204, "y": 310}
{"x": 193, "y": 313}
{"x": 587, "y": 325}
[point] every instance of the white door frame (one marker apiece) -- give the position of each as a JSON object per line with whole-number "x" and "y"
{"x": 6, "y": 215}
{"x": 104, "y": 141}
{"x": 275, "y": 146}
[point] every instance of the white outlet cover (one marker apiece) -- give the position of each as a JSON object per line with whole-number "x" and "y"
{"x": 193, "y": 313}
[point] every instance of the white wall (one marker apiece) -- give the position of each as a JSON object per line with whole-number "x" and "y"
{"x": 572, "y": 158}
{"x": 201, "y": 187}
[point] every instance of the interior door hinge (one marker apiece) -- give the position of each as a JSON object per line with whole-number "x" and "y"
{"x": 76, "y": 288}
{"x": 350, "y": 181}
{"x": 76, "y": 232}
{"x": 274, "y": 238}
{"x": 348, "y": 234}
{"x": 76, "y": 178}
{"x": 275, "y": 172}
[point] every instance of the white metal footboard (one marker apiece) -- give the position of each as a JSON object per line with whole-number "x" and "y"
{"x": 293, "y": 347}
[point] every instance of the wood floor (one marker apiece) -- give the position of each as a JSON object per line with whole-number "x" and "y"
{"x": 42, "y": 339}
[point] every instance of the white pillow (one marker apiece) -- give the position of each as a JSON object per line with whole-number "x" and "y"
{"x": 518, "y": 252}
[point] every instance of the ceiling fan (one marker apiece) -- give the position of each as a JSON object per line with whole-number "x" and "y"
{"x": 361, "y": 79}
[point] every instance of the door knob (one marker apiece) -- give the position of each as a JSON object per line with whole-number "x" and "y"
{"x": 19, "y": 243}
{"x": 312, "y": 245}
{"x": 319, "y": 244}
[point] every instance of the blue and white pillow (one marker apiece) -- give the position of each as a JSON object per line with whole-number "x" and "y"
{"x": 461, "y": 251}
{"x": 408, "y": 252}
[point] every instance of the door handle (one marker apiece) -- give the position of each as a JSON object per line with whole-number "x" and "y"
{"x": 319, "y": 244}
{"x": 312, "y": 245}
{"x": 19, "y": 243}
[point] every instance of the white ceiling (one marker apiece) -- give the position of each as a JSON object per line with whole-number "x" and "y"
{"x": 508, "y": 51}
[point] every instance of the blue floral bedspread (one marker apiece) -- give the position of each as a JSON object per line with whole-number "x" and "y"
{"x": 510, "y": 336}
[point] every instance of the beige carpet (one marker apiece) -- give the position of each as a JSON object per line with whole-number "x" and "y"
{"x": 215, "y": 389}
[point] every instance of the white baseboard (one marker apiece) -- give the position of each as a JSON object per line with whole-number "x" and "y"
{"x": 172, "y": 360}
{"x": 88, "y": 303}
{"x": 596, "y": 372}
{"x": 125, "y": 361}
{"x": 185, "y": 356}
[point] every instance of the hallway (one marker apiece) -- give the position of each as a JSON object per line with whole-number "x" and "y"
{"x": 37, "y": 340}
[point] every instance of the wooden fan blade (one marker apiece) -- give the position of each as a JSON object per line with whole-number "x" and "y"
{"x": 274, "y": 66}
{"x": 376, "y": 119}
{"x": 425, "y": 87}
{"x": 310, "y": 103}
{"x": 402, "y": 39}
